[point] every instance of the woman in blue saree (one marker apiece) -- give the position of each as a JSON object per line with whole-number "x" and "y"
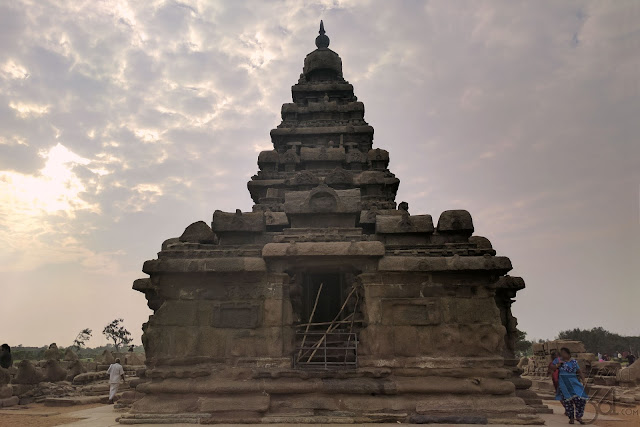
{"x": 570, "y": 389}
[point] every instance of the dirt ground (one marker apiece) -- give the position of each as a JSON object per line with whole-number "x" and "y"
{"x": 627, "y": 416}
{"x": 38, "y": 415}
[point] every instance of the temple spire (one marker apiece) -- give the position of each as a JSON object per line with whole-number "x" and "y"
{"x": 322, "y": 41}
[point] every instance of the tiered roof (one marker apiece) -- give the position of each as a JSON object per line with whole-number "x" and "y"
{"x": 323, "y": 139}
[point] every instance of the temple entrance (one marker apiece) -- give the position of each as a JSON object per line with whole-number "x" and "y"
{"x": 327, "y": 333}
{"x": 329, "y": 300}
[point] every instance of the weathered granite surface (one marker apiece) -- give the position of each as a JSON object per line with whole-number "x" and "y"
{"x": 419, "y": 314}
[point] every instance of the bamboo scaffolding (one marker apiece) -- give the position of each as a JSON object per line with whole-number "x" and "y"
{"x": 331, "y": 326}
{"x": 331, "y": 329}
{"x": 355, "y": 310}
{"x": 301, "y": 325}
{"x": 304, "y": 338}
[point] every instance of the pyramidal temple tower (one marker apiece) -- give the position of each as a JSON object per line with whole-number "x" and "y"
{"x": 329, "y": 302}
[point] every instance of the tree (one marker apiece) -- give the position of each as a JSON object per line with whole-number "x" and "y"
{"x": 82, "y": 338}
{"x": 599, "y": 340}
{"x": 115, "y": 332}
{"x": 523, "y": 346}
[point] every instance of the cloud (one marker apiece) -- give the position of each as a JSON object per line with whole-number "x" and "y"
{"x": 123, "y": 122}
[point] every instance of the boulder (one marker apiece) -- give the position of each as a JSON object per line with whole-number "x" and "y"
{"x": 27, "y": 374}
{"x": 22, "y": 389}
{"x": 89, "y": 377}
{"x": 134, "y": 359}
{"x": 75, "y": 368}
{"x": 53, "y": 372}
{"x": 10, "y": 401}
{"x": 70, "y": 355}
{"x": 630, "y": 374}
{"x": 107, "y": 358}
{"x": 52, "y": 353}
{"x": 523, "y": 362}
{"x": 6, "y": 391}
{"x": 5, "y": 376}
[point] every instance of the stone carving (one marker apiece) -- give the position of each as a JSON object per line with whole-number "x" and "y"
{"x": 238, "y": 221}
{"x": 242, "y": 316}
{"x": 387, "y": 224}
{"x": 290, "y": 159}
{"x": 52, "y": 353}
{"x": 276, "y": 218}
{"x": 339, "y": 178}
{"x": 5, "y": 376}
{"x": 268, "y": 160}
{"x": 75, "y": 368}
{"x": 356, "y": 156}
{"x": 322, "y": 199}
{"x": 378, "y": 159}
{"x": 27, "y": 373}
{"x": 70, "y": 355}
{"x": 303, "y": 178}
{"x": 326, "y": 259}
{"x": 53, "y": 372}
{"x": 198, "y": 232}
{"x": 107, "y": 358}
{"x": 458, "y": 221}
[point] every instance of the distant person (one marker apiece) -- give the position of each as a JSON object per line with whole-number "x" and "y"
{"x": 131, "y": 348}
{"x": 116, "y": 373}
{"x": 570, "y": 389}
{"x": 6, "y": 361}
{"x": 619, "y": 356}
{"x": 600, "y": 357}
{"x": 631, "y": 358}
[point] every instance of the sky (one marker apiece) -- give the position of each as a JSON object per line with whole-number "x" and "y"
{"x": 121, "y": 123}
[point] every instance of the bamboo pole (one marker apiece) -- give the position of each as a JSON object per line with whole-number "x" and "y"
{"x": 331, "y": 326}
{"x": 327, "y": 323}
{"x": 315, "y": 304}
{"x": 355, "y": 310}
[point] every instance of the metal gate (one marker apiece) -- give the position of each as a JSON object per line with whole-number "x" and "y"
{"x": 326, "y": 350}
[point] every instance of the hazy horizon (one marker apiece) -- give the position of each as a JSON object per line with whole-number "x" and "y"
{"x": 121, "y": 123}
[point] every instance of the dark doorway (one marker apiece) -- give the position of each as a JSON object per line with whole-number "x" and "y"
{"x": 330, "y": 299}
{"x": 327, "y": 344}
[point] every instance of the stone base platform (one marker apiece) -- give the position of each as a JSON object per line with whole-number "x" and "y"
{"x": 316, "y": 400}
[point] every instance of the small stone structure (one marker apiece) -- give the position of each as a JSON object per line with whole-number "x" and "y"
{"x": 538, "y": 363}
{"x": 329, "y": 302}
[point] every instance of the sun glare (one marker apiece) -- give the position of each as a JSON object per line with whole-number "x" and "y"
{"x": 56, "y": 189}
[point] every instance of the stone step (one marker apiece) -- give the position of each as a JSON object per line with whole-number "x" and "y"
{"x": 78, "y": 400}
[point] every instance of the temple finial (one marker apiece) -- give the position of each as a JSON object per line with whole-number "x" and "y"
{"x": 322, "y": 41}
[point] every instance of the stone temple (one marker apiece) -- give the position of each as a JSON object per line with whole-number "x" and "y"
{"x": 329, "y": 302}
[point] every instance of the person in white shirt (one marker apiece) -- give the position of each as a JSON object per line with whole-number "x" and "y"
{"x": 116, "y": 373}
